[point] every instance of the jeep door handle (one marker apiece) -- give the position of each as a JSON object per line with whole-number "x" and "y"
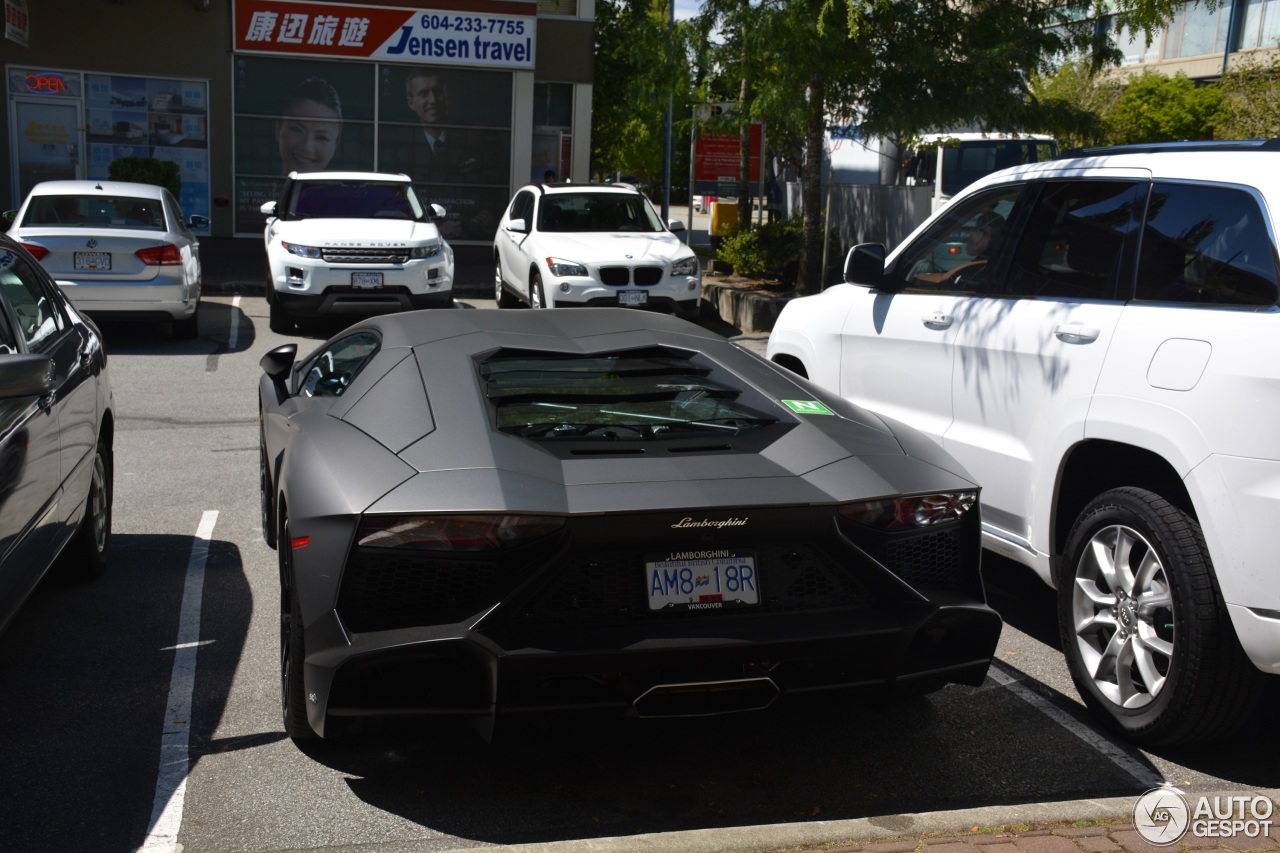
{"x": 1075, "y": 333}
{"x": 938, "y": 320}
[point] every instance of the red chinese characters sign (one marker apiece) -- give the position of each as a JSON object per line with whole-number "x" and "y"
{"x": 717, "y": 156}
{"x": 486, "y": 35}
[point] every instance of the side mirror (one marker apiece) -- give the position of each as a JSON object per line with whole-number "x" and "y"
{"x": 8, "y": 216}
{"x": 675, "y": 226}
{"x": 519, "y": 226}
{"x": 438, "y": 212}
{"x": 277, "y": 363}
{"x": 198, "y": 222}
{"x": 268, "y": 209}
{"x": 864, "y": 265}
{"x": 26, "y": 375}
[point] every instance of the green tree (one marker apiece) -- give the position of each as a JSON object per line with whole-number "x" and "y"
{"x": 1251, "y": 100}
{"x": 1156, "y": 108}
{"x": 905, "y": 68}
{"x": 1076, "y": 98}
{"x": 640, "y": 60}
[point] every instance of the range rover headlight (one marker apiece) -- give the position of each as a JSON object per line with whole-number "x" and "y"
{"x": 429, "y": 251}
{"x": 312, "y": 252}
{"x": 561, "y": 268}
{"x": 687, "y": 266}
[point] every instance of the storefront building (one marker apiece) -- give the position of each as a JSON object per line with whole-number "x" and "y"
{"x": 471, "y": 98}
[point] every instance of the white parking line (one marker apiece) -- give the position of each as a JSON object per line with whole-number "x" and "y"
{"x": 235, "y": 323}
{"x": 175, "y": 737}
{"x": 1142, "y": 774}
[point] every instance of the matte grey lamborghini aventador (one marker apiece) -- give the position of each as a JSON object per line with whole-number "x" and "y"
{"x": 482, "y": 513}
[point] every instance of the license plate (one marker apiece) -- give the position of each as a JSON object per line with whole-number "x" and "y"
{"x": 93, "y": 261}
{"x": 702, "y": 580}
{"x": 366, "y": 279}
{"x": 633, "y": 297}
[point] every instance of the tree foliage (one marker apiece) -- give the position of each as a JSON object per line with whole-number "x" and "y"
{"x": 1157, "y": 108}
{"x": 1251, "y": 99}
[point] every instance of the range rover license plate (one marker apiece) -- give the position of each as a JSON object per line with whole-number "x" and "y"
{"x": 366, "y": 279}
{"x": 702, "y": 580}
{"x": 633, "y": 297}
{"x": 93, "y": 261}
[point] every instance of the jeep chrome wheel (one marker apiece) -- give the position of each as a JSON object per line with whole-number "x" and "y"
{"x": 1145, "y": 631}
{"x": 1122, "y": 611}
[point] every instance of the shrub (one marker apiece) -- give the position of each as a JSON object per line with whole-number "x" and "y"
{"x": 147, "y": 170}
{"x": 772, "y": 249}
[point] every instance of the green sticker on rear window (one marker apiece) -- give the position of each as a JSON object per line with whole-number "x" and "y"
{"x": 807, "y": 407}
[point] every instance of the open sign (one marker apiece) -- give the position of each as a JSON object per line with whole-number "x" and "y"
{"x": 50, "y": 83}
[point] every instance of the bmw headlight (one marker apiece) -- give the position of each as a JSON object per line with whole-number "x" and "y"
{"x": 688, "y": 266}
{"x": 312, "y": 252}
{"x": 561, "y": 268}
{"x": 430, "y": 251}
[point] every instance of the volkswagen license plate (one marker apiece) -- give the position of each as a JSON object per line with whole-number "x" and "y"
{"x": 93, "y": 261}
{"x": 715, "y": 579}
{"x": 366, "y": 279}
{"x": 633, "y": 297}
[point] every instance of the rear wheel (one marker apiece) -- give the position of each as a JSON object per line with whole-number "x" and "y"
{"x": 1146, "y": 634}
{"x": 92, "y": 542}
{"x": 293, "y": 699}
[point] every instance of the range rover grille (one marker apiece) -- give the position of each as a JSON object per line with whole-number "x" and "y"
{"x": 396, "y": 255}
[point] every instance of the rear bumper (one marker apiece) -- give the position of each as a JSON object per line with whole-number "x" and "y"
{"x": 162, "y": 299}
{"x": 714, "y": 666}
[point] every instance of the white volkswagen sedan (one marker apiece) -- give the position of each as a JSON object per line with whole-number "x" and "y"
{"x": 575, "y": 245}
{"x": 118, "y": 250}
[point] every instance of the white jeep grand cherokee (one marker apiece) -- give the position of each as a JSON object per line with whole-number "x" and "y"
{"x": 1094, "y": 339}
{"x": 353, "y": 243}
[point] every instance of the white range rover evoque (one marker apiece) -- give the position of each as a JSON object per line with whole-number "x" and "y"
{"x": 355, "y": 243}
{"x": 1094, "y": 339}
{"x": 578, "y": 245}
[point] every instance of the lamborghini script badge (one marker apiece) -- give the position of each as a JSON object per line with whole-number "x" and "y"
{"x": 706, "y": 522}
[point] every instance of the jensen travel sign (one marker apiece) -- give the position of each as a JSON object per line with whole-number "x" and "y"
{"x": 484, "y": 34}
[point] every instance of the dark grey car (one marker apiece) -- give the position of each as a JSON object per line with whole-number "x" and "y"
{"x": 55, "y": 432}
{"x": 480, "y": 513}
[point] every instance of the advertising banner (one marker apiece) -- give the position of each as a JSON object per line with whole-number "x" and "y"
{"x": 486, "y": 35}
{"x": 717, "y": 156}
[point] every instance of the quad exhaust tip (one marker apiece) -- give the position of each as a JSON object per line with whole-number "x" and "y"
{"x": 707, "y": 698}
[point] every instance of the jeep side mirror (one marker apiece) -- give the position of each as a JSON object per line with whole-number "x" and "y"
{"x": 864, "y": 265}
{"x": 518, "y": 225}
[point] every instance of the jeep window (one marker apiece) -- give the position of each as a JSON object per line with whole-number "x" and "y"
{"x": 954, "y": 254}
{"x": 332, "y": 370}
{"x": 354, "y": 200}
{"x": 1073, "y": 245}
{"x": 637, "y": 395}
{"x": 1207, "y": 245}
{"x": 597, "y": 212}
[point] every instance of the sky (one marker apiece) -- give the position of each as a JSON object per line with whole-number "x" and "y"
{"x": 687, "y": 9}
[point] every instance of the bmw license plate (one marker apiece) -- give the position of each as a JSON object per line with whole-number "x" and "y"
{"x": 633, "y": 297}
{"x": 93, "y": 261}
{"x": 715, "y": 579}
{"x": 366, "y": 279}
